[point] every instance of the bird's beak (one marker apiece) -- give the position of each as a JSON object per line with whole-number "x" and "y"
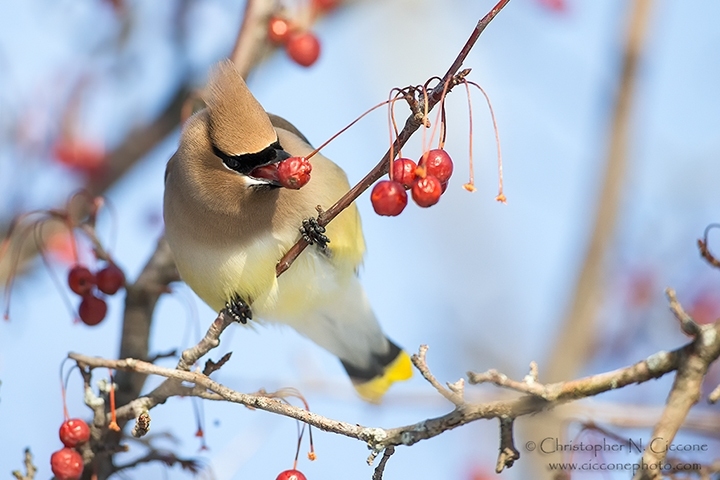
{"x": 281, "y": 155}
{"x": 267, "y": 173}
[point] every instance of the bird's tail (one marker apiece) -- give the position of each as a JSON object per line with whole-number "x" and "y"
{"x": 372, "y": 382}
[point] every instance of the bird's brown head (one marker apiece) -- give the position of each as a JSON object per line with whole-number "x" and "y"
{"x": 242, "y": 136}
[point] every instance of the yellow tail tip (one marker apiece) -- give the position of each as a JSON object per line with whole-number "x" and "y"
{"x": 373, "y": 390}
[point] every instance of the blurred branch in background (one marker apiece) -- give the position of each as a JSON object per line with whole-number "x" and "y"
{"x": 575, "y": 342}
{"x": 97, "y": 169}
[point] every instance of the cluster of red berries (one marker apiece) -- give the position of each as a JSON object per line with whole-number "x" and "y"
{"x": 301, "y": 45}
{"x": 67, "y": 463}
{"x": 82, "y": 281}
{"x": 293, "y": 172}
{"x": 426, "y": 180}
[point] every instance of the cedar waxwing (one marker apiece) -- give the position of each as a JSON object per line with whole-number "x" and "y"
{"x": 227, "y": 227}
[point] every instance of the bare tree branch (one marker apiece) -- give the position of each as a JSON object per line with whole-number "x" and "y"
{"x": 691, "y": 361}
{"x": 252, "y": 43}
{"x": 692, "y": 366}
{"x": 419, "y": 361}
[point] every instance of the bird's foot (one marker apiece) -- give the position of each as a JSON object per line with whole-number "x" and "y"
{"x": 314, "y": 233}
{"x": 238, "y": 310}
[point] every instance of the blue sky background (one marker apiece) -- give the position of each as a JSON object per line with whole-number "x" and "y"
{"x": 483, "y": 284}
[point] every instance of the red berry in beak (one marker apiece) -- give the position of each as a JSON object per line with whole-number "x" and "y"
{"x": 294, "y": 172}
{"x": 437, "y": 163}
{"x": 267, "y": 172}
{"x": 404, "y": 172}
{"x": 80, "y": 280}
{"x": 388, "y": 198}
{"x": 426, "y": 191}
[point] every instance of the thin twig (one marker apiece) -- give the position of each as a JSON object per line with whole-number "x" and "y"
{"x": 211, "y": 366}
{"x": 687, "y": 324}
{"x": 30, "y": 469}
{"x": 508, "y": 453}
{"x": 380, "y": 469}
{"x": 714, "y": 395}
{"x": 705, "y": 250}
{"x": 418, "y": 360}
{"x": 502, "y": 380}
{"x": 192, "y": 465}
{"x": 532, "y": 375}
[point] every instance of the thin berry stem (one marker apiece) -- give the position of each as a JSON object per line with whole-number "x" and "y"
{"x": 500, "y": 196}
{"x": 63, "y": 389}
{"x": 53, "y": 276}
{"x": 425, "y": 121}
{"x": 470, "y": 186}
{"x": 440, "y": 117}
{"x": 113, "y": 416}
{"x": 311, "y": 154}
{"x": 392, "y": 126}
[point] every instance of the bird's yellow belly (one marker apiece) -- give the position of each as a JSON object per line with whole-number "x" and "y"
{"x": 217, "y": 276}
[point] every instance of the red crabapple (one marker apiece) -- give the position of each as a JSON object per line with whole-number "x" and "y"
{"x": 426, "y": 191}
{"x": 291, "y": 475}
{"x": 110, "y": 279}
{"x": 303, "y": 48}
{"x": 388, "y": 198}
{"x": 325, "y": 5}
{"x": 404, "y": 172}
{"x": 92, "y": 309}
{"x": 80, "y": 280}
{"x": 79, "y": 154}
{"x": 73, "y": 432}
{"x": 437, "y": 163}
{"x": 278, "y": 30}
{"x": 66, "y": 464}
